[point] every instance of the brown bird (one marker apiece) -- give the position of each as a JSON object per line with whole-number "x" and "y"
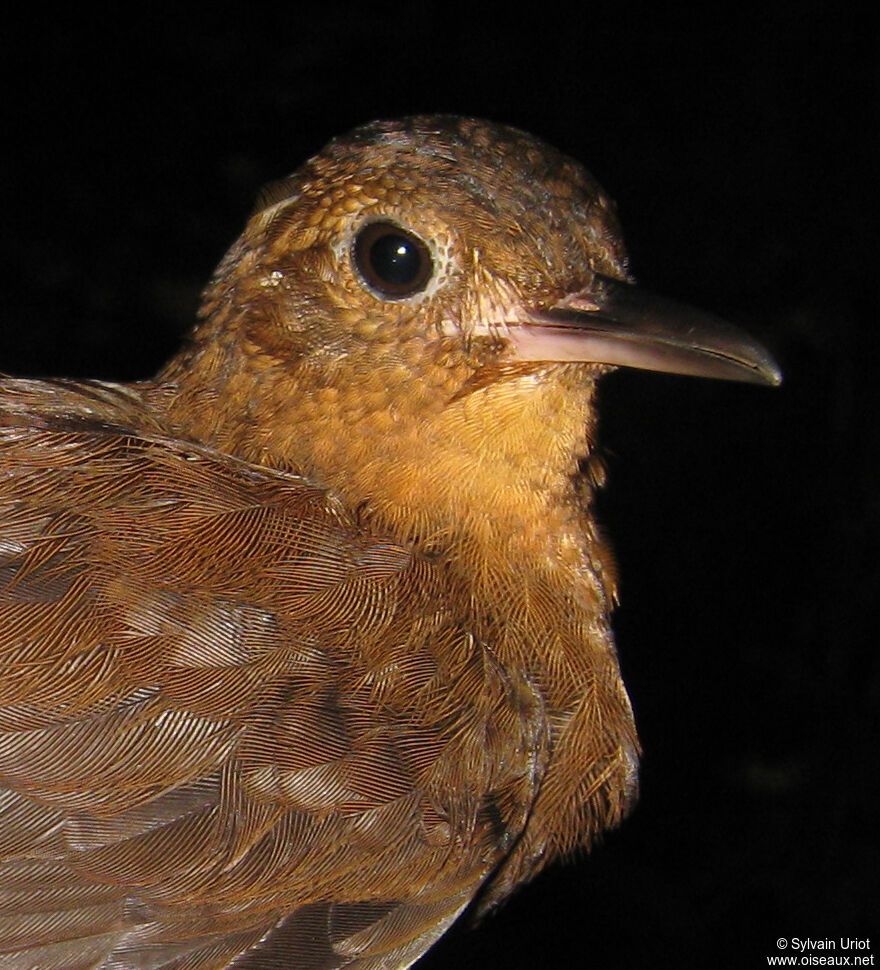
{"x": 305, "y": 644}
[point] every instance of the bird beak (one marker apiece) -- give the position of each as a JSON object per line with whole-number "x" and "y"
{"x": 616, "y": 323}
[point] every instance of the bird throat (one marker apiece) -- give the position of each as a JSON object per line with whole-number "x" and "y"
{"x": 494, "y": 471}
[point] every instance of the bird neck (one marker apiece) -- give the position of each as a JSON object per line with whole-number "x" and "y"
{"x": 495, "y": 470}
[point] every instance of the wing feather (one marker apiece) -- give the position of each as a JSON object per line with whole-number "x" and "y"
{"x": 214, "y": 742}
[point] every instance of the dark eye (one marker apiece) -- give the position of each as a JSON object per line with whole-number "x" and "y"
{"x": 391, "y": 260}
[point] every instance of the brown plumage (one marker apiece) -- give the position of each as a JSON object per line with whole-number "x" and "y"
{"x": 306, "y": 642}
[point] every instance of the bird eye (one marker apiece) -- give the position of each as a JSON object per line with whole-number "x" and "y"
{"x": 391, "y": 260}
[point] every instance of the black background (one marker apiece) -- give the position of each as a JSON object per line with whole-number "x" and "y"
{"x": 738, "y": 147}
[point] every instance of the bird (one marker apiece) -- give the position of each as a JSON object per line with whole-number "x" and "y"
{"x": 306, "y": 642}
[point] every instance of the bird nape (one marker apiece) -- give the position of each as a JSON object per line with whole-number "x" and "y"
{"x": 306, "y": 642}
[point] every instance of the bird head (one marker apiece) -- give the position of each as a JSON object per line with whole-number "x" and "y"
{"x": 436, "y": 293}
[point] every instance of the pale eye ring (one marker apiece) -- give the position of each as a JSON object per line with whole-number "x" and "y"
{"x": 391, "y": 260}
